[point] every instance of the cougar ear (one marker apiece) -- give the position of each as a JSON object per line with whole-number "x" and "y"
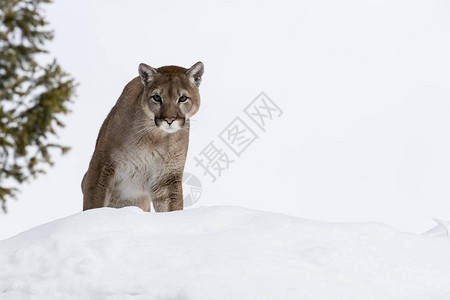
{"x": 195, "y": 73}
{"x": 146, "y": 73}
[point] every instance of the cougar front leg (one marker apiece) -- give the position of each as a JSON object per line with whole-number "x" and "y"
{"x": 95, "y": 185}
{"x": 168, "y": 194}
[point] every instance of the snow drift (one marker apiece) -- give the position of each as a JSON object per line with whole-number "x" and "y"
{"x": 220, "y": 253}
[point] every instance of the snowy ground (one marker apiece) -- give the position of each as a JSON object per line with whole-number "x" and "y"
{"x": 221, "y": 253}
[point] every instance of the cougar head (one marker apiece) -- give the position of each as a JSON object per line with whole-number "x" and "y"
{"x": 170, "y": 95}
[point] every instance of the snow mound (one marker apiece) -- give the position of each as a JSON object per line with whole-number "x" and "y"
{"x": 442, "y": 229}
{"x": 220, "y": 253}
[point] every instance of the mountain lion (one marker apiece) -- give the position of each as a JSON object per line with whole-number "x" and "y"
{"x": 141, "y": 149}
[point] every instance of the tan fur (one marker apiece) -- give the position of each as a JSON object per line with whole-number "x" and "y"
{"x": 136, "y": 161}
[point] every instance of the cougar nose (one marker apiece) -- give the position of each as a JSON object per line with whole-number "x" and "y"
{"x": 169, "y": 120}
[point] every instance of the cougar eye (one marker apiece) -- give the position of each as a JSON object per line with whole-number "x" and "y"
{"x": 182, "y": 99}
{"x": 157, "y": 98}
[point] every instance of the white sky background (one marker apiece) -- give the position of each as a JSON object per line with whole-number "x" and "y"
{"x": 364, "y": 86}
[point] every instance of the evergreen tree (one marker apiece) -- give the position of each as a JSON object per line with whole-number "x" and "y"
{"x": 33, "y": 95}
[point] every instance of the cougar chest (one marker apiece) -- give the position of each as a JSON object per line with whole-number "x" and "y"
{"x": 136, "y": 172}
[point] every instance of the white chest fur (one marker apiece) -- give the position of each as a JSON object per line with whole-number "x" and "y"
{"x": 135, "y": 173}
